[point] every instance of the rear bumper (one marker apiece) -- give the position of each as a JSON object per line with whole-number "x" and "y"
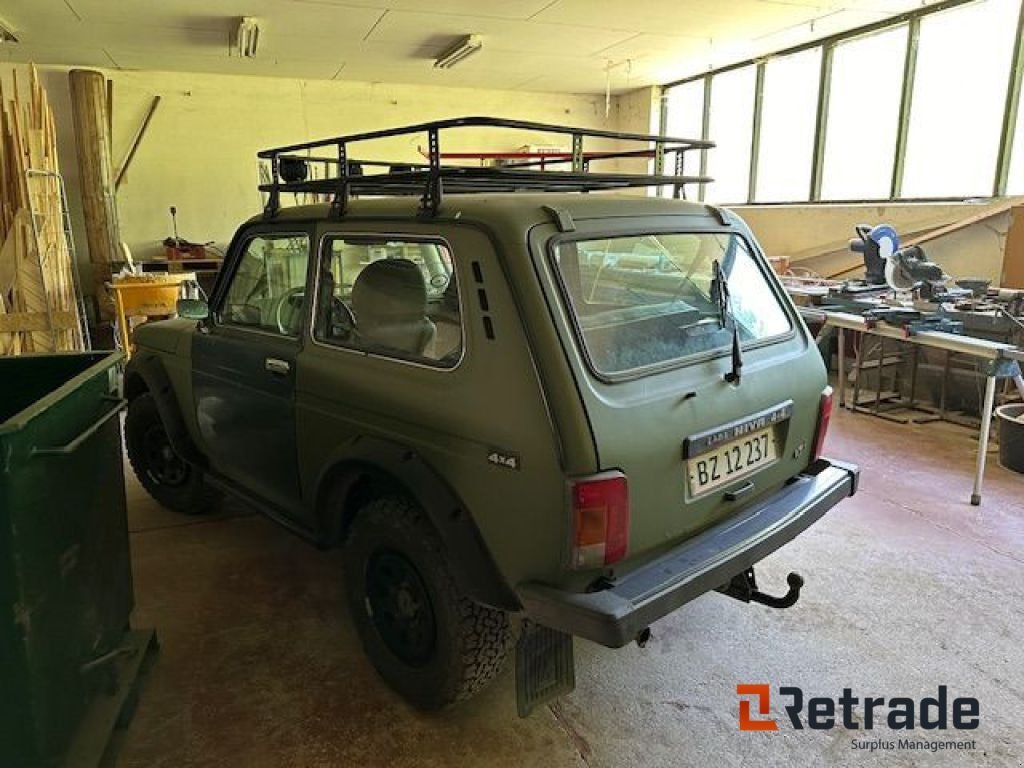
{"x": 614, "y": 616}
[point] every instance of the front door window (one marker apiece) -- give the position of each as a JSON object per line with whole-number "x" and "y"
{"x": 267, "y": 290}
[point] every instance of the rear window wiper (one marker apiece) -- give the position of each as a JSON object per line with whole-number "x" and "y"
{"x": 726, "y": 317}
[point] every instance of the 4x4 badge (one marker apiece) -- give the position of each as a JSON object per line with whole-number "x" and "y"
{"x": 504, "y": 459}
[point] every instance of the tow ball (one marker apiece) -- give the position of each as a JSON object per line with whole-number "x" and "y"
{"x": 744, "y": 587}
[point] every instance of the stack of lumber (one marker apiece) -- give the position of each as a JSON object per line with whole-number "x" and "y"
{"x": 39, "y": 308}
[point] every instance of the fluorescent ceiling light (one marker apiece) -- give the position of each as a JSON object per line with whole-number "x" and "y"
{"x": 463, "y": 49}
{"x": 6, "y": 34}
{"x": 247, "y": 37}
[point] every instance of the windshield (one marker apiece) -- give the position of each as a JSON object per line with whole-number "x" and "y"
{"x": 649, "y": 299}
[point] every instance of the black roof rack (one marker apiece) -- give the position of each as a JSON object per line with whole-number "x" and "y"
{"x": 341, "y": 177}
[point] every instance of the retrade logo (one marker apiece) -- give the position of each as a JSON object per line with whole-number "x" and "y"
{"x": 853, "y": 712}
{"x": 762, "y": 692}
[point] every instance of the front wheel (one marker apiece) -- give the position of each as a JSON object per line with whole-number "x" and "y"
{"x": 430, "y": 643}
{"x": 167, "y": 477}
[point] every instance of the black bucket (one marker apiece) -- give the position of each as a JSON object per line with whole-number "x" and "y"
{"x": 1011, "y": 437}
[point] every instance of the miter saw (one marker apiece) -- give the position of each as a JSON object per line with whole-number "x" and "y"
{"x": 876, "y": 244}
{"x": 887, "y": 266}
{"x": 908, "y": 269}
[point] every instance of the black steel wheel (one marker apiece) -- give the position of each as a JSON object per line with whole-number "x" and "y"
{"x": 166, "y": 476}
{"x": 400, "y": 607}
{"x": 430, "y": 643}
{"x": 163, "y": 465}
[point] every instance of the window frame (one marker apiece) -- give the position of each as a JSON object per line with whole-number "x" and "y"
{"x": 687, "y": 361}
{"x": 322, "y": 252}
{"x": 710, "y": 92}
{"x": 225, "y": 280}
{"x": 1010, "y": 116}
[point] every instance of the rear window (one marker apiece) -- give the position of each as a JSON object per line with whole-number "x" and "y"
{"x": 647, "y": 300}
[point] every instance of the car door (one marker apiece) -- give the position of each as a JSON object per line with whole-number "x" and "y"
{"x": 244, "y": 366}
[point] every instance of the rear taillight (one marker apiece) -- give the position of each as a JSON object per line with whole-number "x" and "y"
{"x": 600, "y": 518}
{"x": 824, "y": 416}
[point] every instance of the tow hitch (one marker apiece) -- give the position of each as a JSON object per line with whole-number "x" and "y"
{"x": 744, "y": 587}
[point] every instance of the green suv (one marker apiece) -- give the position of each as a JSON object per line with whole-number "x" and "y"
{"x": 524, "y": 413}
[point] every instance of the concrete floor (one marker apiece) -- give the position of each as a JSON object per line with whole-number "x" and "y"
{"x": 908, "y": 587}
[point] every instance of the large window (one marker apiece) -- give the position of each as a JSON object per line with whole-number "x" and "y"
{"x": 963, "y": 62}
{"x": 390, "y": 297}
{"x": 731, "y": 128}
{"x": 1015, "y": 183}
{"x": 935, "y": 136}
{"x": 685, "y": 120}
{"x": 863, "y": 116}
{"x": 647, "y": 300}
{"x": 788, "y": 108}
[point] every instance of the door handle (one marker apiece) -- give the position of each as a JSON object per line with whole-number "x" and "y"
{"x": 276, "y": 366}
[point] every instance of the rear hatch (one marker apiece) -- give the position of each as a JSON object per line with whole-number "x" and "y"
{"x": 648, "y": 310}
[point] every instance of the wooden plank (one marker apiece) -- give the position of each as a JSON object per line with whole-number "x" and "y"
{"x": 31, "y": 287}
{"x": 30, "y": 322}
{"x": 136, "y": 140}
{"x": 956, "y": 226}
{"x": 1013, "y": 251}
{"x": 36, "y": 272}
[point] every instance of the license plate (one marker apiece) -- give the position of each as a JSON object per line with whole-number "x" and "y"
{"x": 731, "y": 461}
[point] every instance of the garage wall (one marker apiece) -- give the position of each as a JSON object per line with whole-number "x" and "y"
{"x": 199, "y": 153}
{"x": 802, "y": 231}
{"x": 639, "y": 112}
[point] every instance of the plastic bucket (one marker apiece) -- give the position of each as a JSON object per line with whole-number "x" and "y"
{"x": 1011, "y": 437}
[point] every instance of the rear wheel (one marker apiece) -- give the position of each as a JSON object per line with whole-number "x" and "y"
{"x": 430, "y": 643}
{"x": 167, "y": 477}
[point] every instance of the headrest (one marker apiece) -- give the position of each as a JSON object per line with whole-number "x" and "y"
{"x": 391, "y": 288}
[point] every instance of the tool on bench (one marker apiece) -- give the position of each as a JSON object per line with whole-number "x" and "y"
{"x": 176, "y": 248}
{"x": 876, "y": 244}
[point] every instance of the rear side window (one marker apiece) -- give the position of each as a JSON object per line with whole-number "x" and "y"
{"x": 267, "y": 289}
{"x": 390, "y": 297}
{"x": 647, "y": 300}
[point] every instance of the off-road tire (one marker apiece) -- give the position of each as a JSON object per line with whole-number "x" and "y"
{"x": 185, "y": 490}
{"x": 471, "y": 641}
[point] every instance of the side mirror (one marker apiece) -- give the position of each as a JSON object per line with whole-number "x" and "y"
{"x": 193, "y": 309}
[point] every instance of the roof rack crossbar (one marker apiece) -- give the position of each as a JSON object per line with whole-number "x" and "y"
{"x": 342, "y": 177}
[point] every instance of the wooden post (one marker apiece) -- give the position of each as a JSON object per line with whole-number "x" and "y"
{"x": 1013, "y": 254}
{"x": 92, "y": 137}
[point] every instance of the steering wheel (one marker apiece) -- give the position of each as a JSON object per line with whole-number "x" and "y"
{"x": 288, "y": 297}
{"x": 341, "y": 328}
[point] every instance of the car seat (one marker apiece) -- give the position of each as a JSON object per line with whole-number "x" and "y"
{"x": 389, "y": 301}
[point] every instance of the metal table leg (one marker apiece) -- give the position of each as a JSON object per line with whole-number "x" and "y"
{"x": 986, "y": 424}
{"x": 858, "y": 370}
{"x": 945, "y": 385}
{"x": 913, "y": 375}
{"x": 878, "y": 375}
{"x": 842, "y": 367}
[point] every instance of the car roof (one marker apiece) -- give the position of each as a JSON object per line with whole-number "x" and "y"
{"x": 524, "y": 208}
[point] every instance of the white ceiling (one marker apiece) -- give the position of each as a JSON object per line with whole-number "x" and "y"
{"x": 533, "y": 45}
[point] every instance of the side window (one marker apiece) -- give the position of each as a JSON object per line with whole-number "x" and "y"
{"x": 390, "y": 297}
{"x": 267, "y": 290}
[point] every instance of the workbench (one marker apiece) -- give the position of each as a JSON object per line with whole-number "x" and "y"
{"x": 1001, "y": 361}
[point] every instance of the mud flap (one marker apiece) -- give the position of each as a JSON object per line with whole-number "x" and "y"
{"x": 545, "y": 668}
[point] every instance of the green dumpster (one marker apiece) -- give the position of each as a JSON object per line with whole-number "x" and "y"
{"x": 65, "y": 574}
